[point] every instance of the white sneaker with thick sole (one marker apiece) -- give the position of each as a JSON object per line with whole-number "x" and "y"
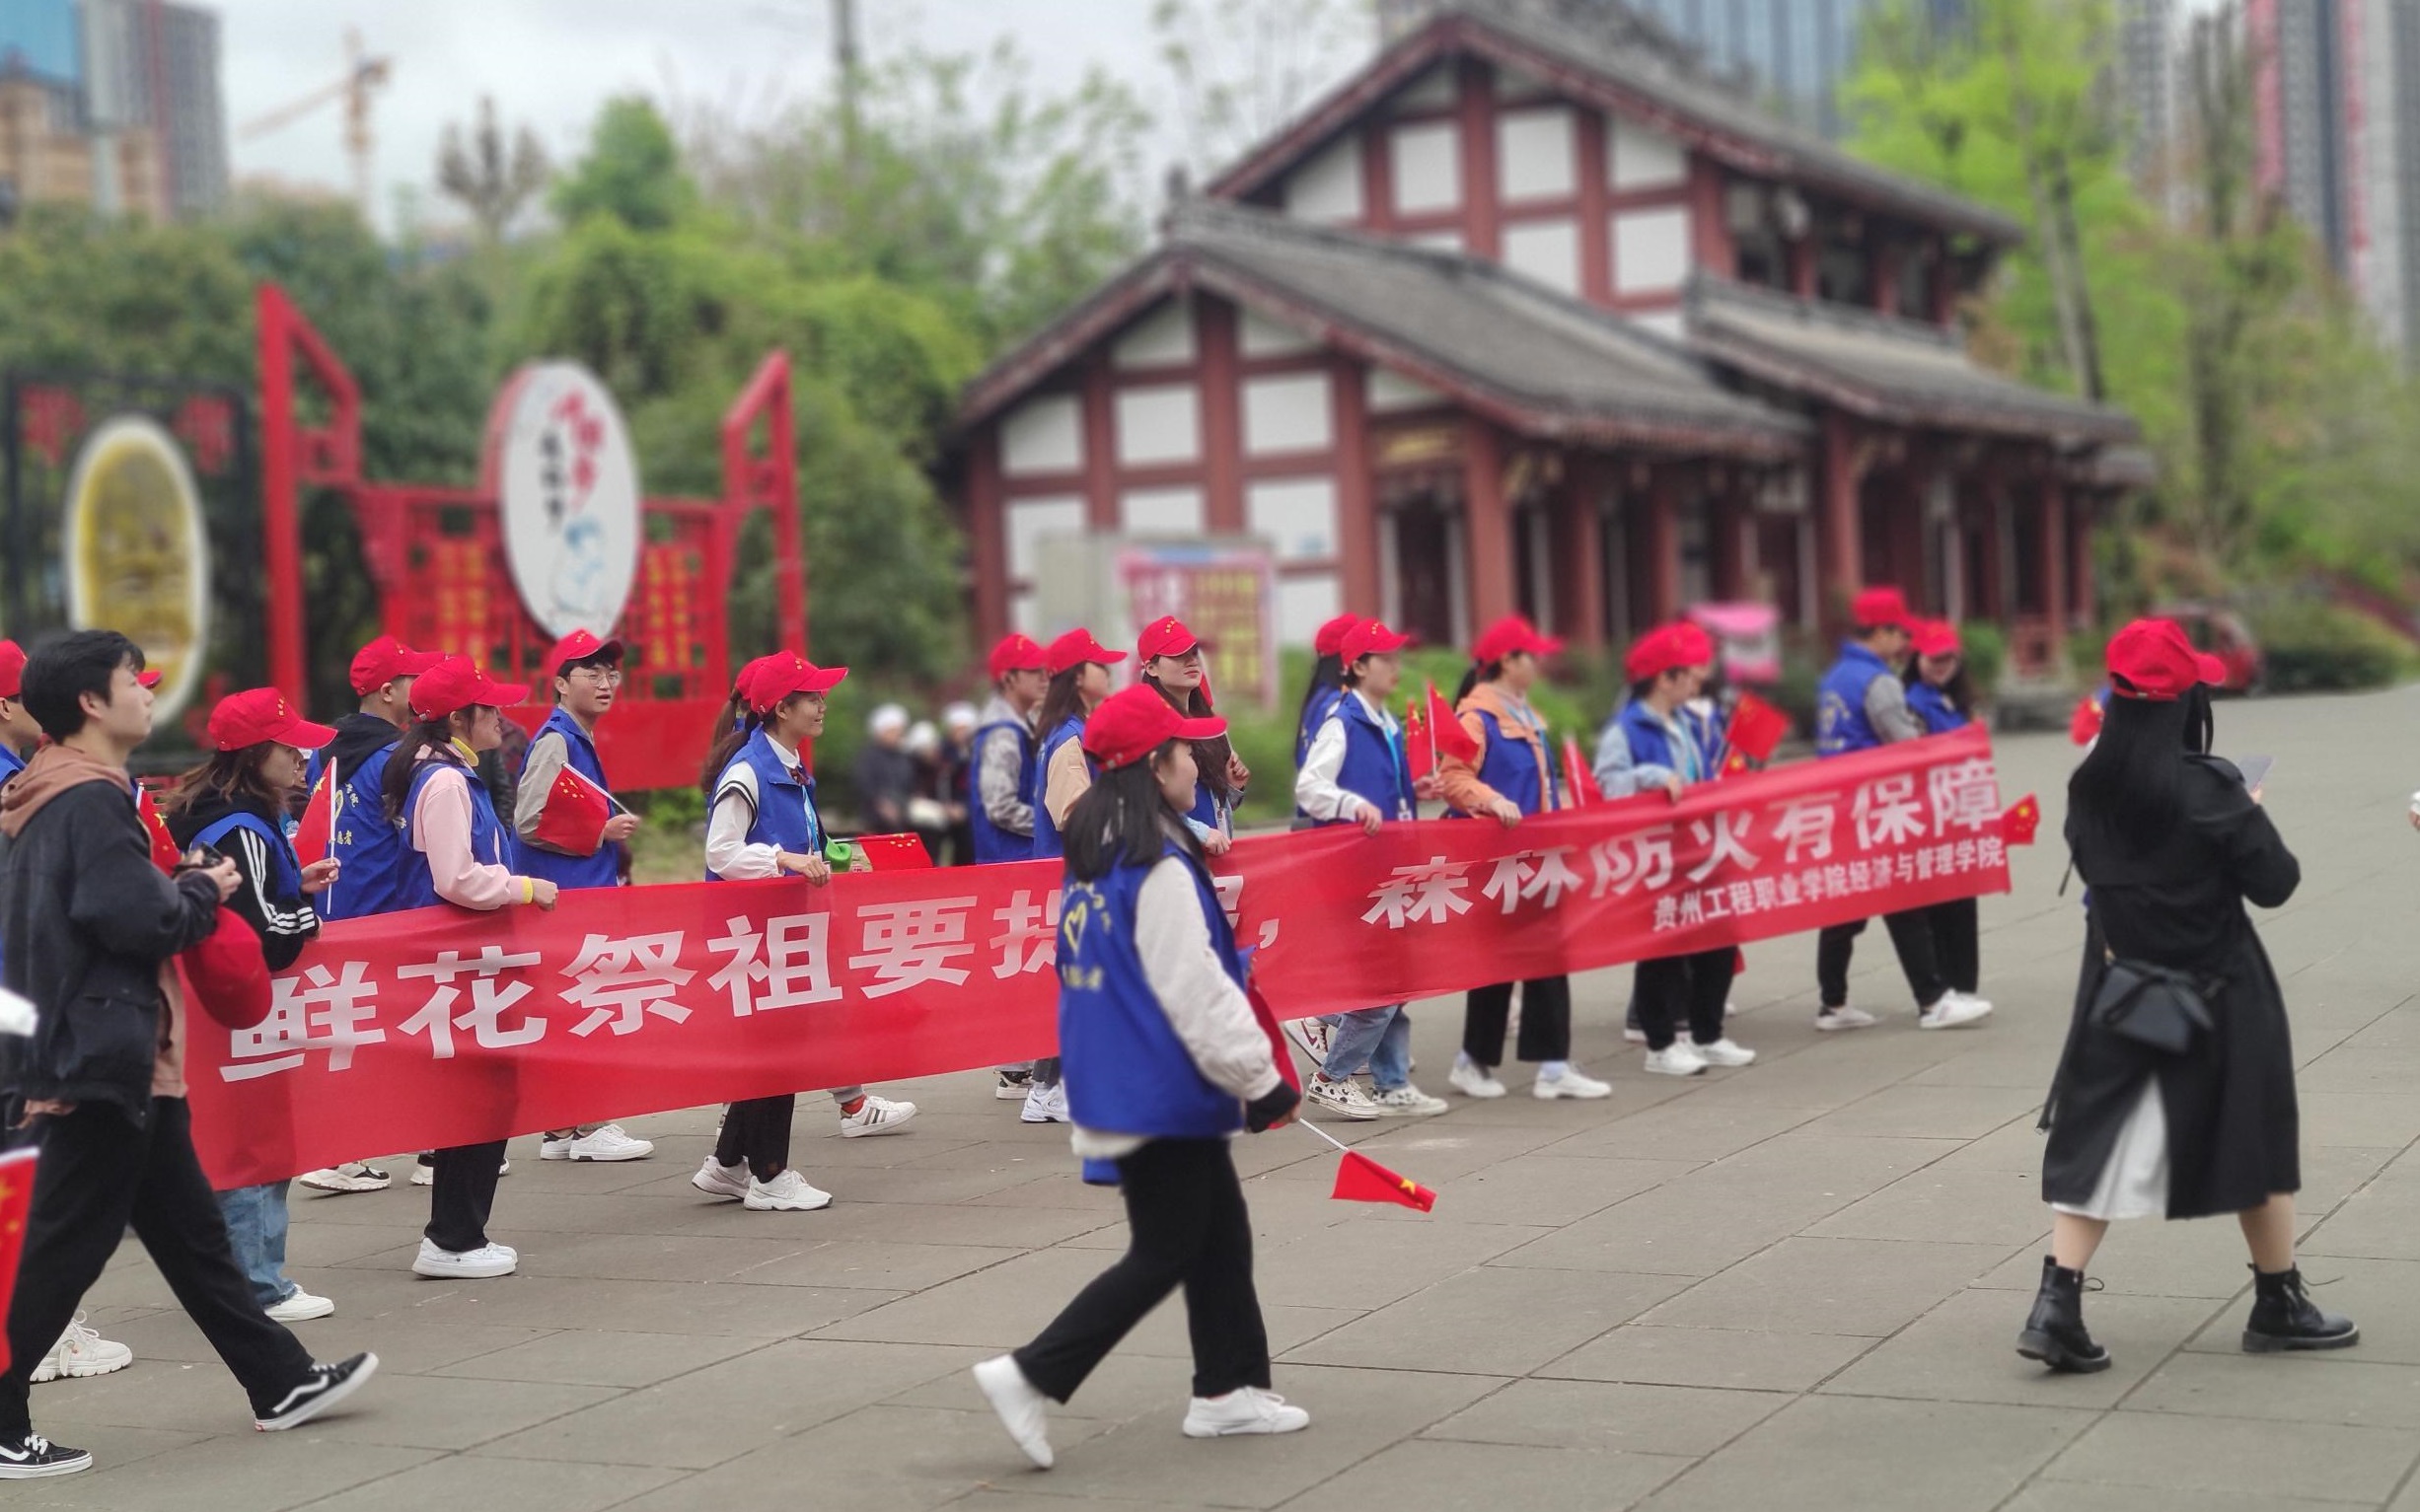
{"x": 1679, "y": 1058}
{"x": 301, "y": 1307}
{"x": 426, "y": 1175}
{"x": 327, "y": 1386}
{"x": 1011, "y": 1086}
{"x": 720, "y": 1180}
{"x": 1634, "y": 1035}
{"x": 608, "y": 1143}
{"x": 81, "y": 1352}
{"x": 1571, "y": 1084}
{"x": 1724, "y": 1052}
{"x": 1341, "y": 1099}
{"x": 787, "y": 1193}
{"x": 1832, "y": 1019}
{"x": 1246, "y": 1410}
{"x": 1045, "y": 1105}
{"x": 1310, "y": 1036}
{"x": 1020, "y": 1404}
{"x": 477, "y": 1265}
{"x": 1408, "y": 1100}
{"x": 876, "y": 1115}
{"x": 1953, "y": 1011}
{"x": 1474, "y": 1080}
{"x": 352, "y": 1176}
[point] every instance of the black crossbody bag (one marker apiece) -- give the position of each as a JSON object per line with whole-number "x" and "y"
{"x": 2155, "y": 1006}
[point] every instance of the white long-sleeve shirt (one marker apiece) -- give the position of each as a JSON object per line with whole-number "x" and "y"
{"x": 1316, "y": 792}
{"x": 441, "y": 830}
{"x": 728, "y": 853}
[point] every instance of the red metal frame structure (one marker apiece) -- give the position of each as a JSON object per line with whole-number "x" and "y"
{"x": 437, "y": 555}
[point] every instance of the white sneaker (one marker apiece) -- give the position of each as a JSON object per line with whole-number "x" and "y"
{"x": 1046, "y": 1105}
{"x": 1830, "y": 1019}
{"x": 1569, "y": 1083}
{"x": 1634, "y": 1035}
{"x": 302, "y": 1307}
{"x": 1730, "y": 1008}
{"x": 1341, "y": 1099}
{"x": 1472, "y": 1079}
{"x": 1679, "y": 1058}
{"x": 81, "y": 1352}
{"x": 606, "y": 1144}
{"x": 720, "y": 1180}
{"x": 1310, "y": 1036}
{"x": 1408, "y": 1100}
{"x": 1012, "y": 1086}
{"x": 426, "y": 1175}
{"x": 787, "y": 1193}
{"x": 876, "y": 1115}
{"x": 1246, "y": 1410}
{"x": 1724, "y": 1052}
{"x": 1953, "y": 1010}
{"x": 352, "y": 1176}
{"x": 465, "y": 1264}
{"x": 1020, "y": 1404}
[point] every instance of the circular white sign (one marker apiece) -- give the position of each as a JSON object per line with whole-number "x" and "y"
{"x": 560, "y": 459}
{"x": 136, "y": 553}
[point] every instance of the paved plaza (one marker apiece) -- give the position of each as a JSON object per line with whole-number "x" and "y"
{"x": 1794, "y": 1285}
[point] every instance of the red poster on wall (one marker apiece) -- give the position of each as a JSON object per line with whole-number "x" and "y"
{"x": 1227, "y": 594}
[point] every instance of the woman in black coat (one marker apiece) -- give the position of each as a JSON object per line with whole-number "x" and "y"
{"x": 2171, "y": 846}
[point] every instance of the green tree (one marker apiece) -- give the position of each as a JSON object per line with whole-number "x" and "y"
{"x": 632, "y": 171}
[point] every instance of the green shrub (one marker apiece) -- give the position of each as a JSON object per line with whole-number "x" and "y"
{"x": 1987, "y": 654}
{"x": 2312, "y": 644}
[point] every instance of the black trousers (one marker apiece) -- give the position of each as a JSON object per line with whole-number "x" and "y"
{"x": 1546, "y": 1021}
{"x": 1186, "y": 1225}
{"x": 1958, "y": 943}
{"x": 97, "y": 1173}
{"x": 1689, "y": 990}
{"x": 757, "y": 1132}
{"x": 1911, "y": 934}
{"x": 464, "y": 1195}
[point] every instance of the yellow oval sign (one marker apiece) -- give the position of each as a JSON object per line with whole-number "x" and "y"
{"x": 137, "y": 557}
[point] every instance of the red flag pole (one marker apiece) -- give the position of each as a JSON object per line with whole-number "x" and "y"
{"x": 1430, "y": 725}
{"x": 335, "y": 803}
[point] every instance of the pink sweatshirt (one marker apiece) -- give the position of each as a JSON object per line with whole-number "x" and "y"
{"x": 441, "y": 830}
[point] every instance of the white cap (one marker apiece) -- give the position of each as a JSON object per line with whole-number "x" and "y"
{"x": 887, "y": 719}
{"x": 923, "y": 738}
{"x": 960, "y": 716}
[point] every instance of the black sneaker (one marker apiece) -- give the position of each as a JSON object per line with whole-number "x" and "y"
{"x": 323, "y": 1388}
{"x": 33, "y": 1457}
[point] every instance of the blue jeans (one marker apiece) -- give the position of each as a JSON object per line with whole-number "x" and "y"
{"x": 1377, "y": 1038}
{"x": 257, "y": 1232}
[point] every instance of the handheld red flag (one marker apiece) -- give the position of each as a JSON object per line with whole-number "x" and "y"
{"x": 1757, "y": 728}
{"x": 1451, "y": 739}
{"x": 575, "y": 814}
{"x": 1734, "y": 764}
{"x": 2016, "y": 826}
{"x": 2083, "y": 726}
{"x": 896, "y": 852}
{"x": 164, "y": 852}
{"x": 15, "y": 1200}
{"x": 1267, "y": 1018}
{"x": 317, "y": 826}
{"x": 1576, "y": 777}
{"x": 1363, "y": 1180}
{"x": 1420, "y": 752}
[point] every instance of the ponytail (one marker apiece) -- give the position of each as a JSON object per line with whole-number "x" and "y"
{"x": 1061, "y": 701}
{"x": 427, "y": 734}
{"x": 1328, "y": 672}
{"x": 733, "y": 725}
{"x": 1480, "y": 671}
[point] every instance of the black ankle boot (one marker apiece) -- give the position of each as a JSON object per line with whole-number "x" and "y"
{"x": 2285, "y": 1318}
{"x": 2054, "y": 1332}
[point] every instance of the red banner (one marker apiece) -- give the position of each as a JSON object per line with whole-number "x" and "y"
{"x": 441, "y": 1026}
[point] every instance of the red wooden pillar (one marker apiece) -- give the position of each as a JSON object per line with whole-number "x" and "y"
{"x": 1999, "y": 594}
{"x": 986, "y": 509}
{"x": 1487, "y": 523}
{"x": 1727, "y": 527}
{"x": 1943, "y": 287}
{"x": 1709, "y": 228}
{"x": 2054, "y": 562}
{"x": 1222, "y": 435}
{"x": 1356, "y": 517}
{"x": 1908, "y": 567}
{"x": 1883, "y": 267}
{"x": 2083, "y": 611}
{"x": 1840, "y": 549}
{"x": 1663, "y": 547}
{"x": 1802, "y": 280}
{"x": 1475, "y": 108}
{"x": 1100, "y": 445}
{"x": 1377, "y": 174}
{"x": 1595, "y": 219}
{"x": 1580, "y": 553}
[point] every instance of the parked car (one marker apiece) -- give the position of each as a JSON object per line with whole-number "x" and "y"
{"x": 2222, "y": 633}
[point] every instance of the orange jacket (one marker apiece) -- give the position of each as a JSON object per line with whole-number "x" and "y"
{"x": 1458, "y": 781}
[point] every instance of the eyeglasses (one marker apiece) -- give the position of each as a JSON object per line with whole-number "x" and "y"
{"x": 606, "y": 675}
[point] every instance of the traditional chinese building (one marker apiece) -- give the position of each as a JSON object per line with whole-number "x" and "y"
{"x": 1519, "y": 317}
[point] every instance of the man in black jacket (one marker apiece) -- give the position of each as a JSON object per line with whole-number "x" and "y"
{"x": 92, "y": 929}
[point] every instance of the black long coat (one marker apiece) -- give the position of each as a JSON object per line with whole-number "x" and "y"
{"x": 2234, "y": 1129}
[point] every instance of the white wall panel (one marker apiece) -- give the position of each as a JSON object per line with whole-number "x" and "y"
{"x": 1428, "y": 161}
{"x": 1650, "y": 250}
{"x": 1304, "y": 603}
{"x": 1030, "y": 520}
{"x": 1158, "y": 424}
{"x": 1264, "y": 337}
{"x": 1328, "y": 186}
{"x": 1546, "y": 251}
{"x": 1642, "y": 158}
{"x": 1389, "y": 391}
{"x": 1297, "y": 514}
{"x": 1045, "y": 434}
{"x": 1287, "y": 414}
{"x": 1533, "y": 154}
{"x": 1162, "y": 511}
{"x": 1432, "y": 91}
{"x": 1164, "y": 337}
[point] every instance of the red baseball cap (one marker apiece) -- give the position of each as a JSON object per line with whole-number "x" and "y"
{"x": 1015, "y": 652}
{"x": 1330, "y": 641}
{"x": 746, "y": 676}
{"x": 1165, "y": 636}
{"x": 2152, "y": 660}
{"x": 386, "y": 659}
{"x": 785, "y": 673}
{"x": 1653, "y": 653}
{"x": 1512, "y": 634}
{"x": 150, "y": 677}
{"x": 456, "y": 682}
{"x": 1133, "y": 722}
{"x": 263, "y": 714}
{"x": 1078, "y": 647}
{"x": 1881, "y": 609}
{"x": 12, "y": 669}
{"x": 579, "y": 646}
{"x": 1368, "y": 637}
{"x": 1935, "y": 637}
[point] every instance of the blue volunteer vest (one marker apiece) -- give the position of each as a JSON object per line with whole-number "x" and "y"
{"x": 1512, "y": 768}
{"x": 785, "y": 806}
{"x": 415, "y": 886}
{"x": 10, "y": 766}
{"x": 992, "y": 842}
{"x": 1933, "y": 709}
{"x": 285, "y": 872}
{"x": 1125, "y": 1069}
{"x": 1840, "y": 702}
{"x": 369, "y": 848}
{"x": 602, "y": 870}
{"x": 1375, "y": 769}
{"x": 1651, "y": 743}
{"x": 1048, "y": 843}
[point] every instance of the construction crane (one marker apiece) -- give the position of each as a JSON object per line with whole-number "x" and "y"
{"x": 362, "y": 76}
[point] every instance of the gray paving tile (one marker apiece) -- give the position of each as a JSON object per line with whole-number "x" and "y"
{"x": 2383, "y": 1296}
{"x": 590, "y": 1357}
{"x": 1681, "y": 1420}
{"x": 2352, "y": 1391}
{"x": 524, "y": 1485}
{"x": 2259, "y": 1455}
{"x": 1931, "y": 1112}
{"x": 266, "y": 1471}
{"x": 1729, "y": 1358}
{"x": 1966, "y": 1350}
{"x": 1858, "y": 1454}
{"x": 1492, "y": 1320}
{"x": 1429, "y": 1475}
{"x": 1829, "y": 1286}
{"x": 2076, "y": 1496}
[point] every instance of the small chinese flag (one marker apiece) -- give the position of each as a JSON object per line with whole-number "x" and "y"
{"x": 164, "y": 852}
{"x": 2016, "y": 826}
{"x": 1420, "y": 752}
{"x": 1757, "y": 728}
{"x": 1267, "y": 1018}
{"x": 317, "y": 828}
{"x": 15, "y": 1200}
{"x": 895, "y": 852}
{"x": 573, "y": 818}
{"x": 1363, "y": 1180}
{"x": 1576, "y": 777}
{"x": 1734, "y": 764}
{"x": 1451, "y": 739}
{"x": 2083, "y": 726}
